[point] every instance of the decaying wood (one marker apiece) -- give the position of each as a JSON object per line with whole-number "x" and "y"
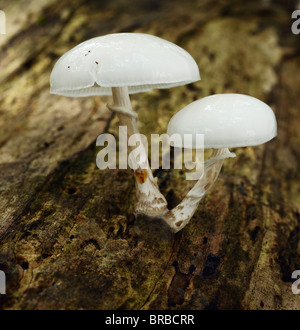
{"x": 68, "y": 238}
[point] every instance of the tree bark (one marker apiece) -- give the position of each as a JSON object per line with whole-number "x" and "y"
{"x": 68, "y": 238}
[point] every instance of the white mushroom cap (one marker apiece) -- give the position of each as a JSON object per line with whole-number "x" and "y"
{"x": 226, "y": 120}
{"x": 138, "y": 61}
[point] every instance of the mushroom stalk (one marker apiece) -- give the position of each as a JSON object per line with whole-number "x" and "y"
{"x": 179, "y": 217}
{"x": 149, "y": 200}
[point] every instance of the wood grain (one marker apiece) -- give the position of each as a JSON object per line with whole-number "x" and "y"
{"x": 68, "y": 238}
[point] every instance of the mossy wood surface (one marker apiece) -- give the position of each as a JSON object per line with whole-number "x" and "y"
{"x": 68, "y": 238}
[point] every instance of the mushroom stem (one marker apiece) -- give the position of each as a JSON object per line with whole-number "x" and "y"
{"x": 149, "y": 200}
{"x": 179, "y": 217}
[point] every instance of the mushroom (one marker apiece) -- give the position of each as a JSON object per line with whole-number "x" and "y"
{"x": 121, "y": 64}
{"x": 227, "y": 121}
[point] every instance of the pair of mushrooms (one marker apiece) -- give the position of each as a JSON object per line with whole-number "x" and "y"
{"x": 126, "y": 63}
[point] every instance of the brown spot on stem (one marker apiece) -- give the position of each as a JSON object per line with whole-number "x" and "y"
{"x": 97, "y": 62}
{"x": 170, "y": 216}
{"x": 141, "y": 175}
{"x": 207, "y": 186}
{"x": 179, "y": 223}
{"x": 159, "y": 200}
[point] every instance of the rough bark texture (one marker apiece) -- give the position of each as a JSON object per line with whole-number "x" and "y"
{"x": 68, "y": 238}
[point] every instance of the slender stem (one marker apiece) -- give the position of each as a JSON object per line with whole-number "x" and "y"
{"x": 180, "y": 216}
{"x": 149, "y": 200}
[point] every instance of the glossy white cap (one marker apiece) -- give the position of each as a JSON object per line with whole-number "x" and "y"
{"x": 138, "y": 61}
{"x": 226, "y": 120}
